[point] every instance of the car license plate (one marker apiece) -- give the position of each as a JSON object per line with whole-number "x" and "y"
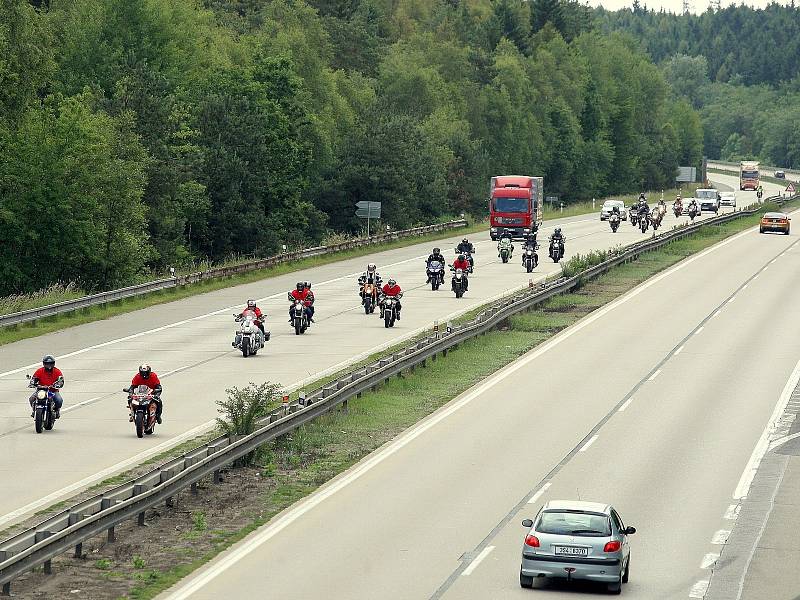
{"x": 570, "y": 550}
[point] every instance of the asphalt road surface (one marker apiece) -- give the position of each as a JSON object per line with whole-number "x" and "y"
{"x": 653, "y": 403}
{"x": 188, "y": 344}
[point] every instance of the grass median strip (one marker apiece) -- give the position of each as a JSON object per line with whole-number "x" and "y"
{"x": 289, "y": 469}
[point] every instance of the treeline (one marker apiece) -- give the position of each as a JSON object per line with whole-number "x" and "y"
{"x": 136, "y": 134}
{"x": 739, "y": 66}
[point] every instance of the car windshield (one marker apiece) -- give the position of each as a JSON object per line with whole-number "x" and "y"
{"x": 707, "y": 194}
{"x": 510, "y": 205}
{"x": 573, "y": 523}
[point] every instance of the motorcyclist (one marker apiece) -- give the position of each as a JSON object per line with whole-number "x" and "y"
{"x": 260, "y": 316}
{"x": 505, "y": 242}
{"x": 435, "y": 255}
{"x": 468, "y": 249}
{"x": 530, "y": 241}
{"x": 305, "y": 296}
{"x": 461, "y": 263}
{"x": 615, "y": 212}
{"x": 662, "y": 206}
{"x": 146, "y": 376}
{"x": 678, "y": 203}
{"x": 52, "y": 377}
{"x": 759, "y": 191}
{"x": 391, "y": 289}
{"x": 371, "y": 275}
{"x": 692, "y": 206}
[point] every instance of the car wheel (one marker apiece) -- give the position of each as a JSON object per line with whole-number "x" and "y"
{"x": 627, "y": 572}
{"x": 525, "y": 581}
{"x": 616, "y": 587}
{"x": 786, "y": 232}
{"x": 760, "y": 230}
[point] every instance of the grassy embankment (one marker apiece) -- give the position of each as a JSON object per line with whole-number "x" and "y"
{"x": 294, "y": 467}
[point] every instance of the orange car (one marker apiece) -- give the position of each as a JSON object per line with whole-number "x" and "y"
{"x": 774, "y": 221}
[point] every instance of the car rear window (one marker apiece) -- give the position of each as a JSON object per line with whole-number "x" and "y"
{"x": 573, "y": 523}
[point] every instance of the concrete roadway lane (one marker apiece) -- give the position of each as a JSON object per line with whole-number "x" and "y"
{"x": 188, "y": 344}
{"x": 409, "y": 520}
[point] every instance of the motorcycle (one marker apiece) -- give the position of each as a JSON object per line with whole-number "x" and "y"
{"x": 249, "y": 338}
{"x": 389, "y": 309}
{"x": 459, "y": 282}
{"x": 692, "y": 213}
{"x": 633, "y": 216}
{"x": 556, "y": 249}
{"x": 435, "y": 273}
{"x": 655, "y": 219}
{"x": 143, "y": 407}
{"x": 677, "y": 209}
{"x": 299, "y": 316}
{"x": 529, "y": 258}
{"x": 614, "y": 221}
{"x": 505, "y": 249}
{"x": 644, "y": 222}
{"x": 44, "y": 407}
{"x": 369, "y": 297}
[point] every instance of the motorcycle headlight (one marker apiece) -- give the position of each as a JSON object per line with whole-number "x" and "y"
{"x": 41, "y": 394}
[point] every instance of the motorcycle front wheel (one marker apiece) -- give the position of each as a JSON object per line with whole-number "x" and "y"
{"x": 49, "y": 420}
{"x": 246, "y": 347}
{"x": 39, "y": 420}
{"x": 138, "y": 420}
{"x": 367, "y": 305}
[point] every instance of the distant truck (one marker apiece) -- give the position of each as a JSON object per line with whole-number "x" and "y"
{"x": 748, "y": 175}
{"x": 515, "y": 205}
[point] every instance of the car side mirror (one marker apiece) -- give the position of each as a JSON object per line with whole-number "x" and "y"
{"x": 630, "y": 530}
{"x": 527, "y": 523}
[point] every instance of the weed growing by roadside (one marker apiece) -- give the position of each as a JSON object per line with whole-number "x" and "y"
{"x": 199, "y": 521}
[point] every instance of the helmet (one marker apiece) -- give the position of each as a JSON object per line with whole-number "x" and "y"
{"x": 392, "y": 283}
{"x": 49, "y": 362}
{"x": 301, "y": 285}
{"x": 465, "y": 241}
{"x": 251, "y": 304}
{"x": 371, "y": 268}
{"x": 307, "y": 284}
{"x": 145, "y": 370}
{"x": 436, "y": 250}
{"x": 461, "y": 257}
{"x": 557, "y": 231}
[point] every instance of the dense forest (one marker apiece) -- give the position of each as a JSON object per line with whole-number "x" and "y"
{"x": 136, "y": 134}
{"x": 739, "y": 66}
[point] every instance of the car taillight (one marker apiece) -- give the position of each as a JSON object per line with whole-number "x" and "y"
{"x": 532, "y": 541}
{"x": 612, "y": 546}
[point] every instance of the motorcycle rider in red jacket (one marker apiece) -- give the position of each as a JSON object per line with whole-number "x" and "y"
{"x": 392, "y": 289}
{"x": 306, "y": 296}
{"x": 147, "y": 377}
{"x": 461, "y": 263}
{"x": 48, "y": 375}
{"x": 260, "y": 316}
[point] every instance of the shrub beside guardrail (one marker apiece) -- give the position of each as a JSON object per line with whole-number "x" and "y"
{"x": 70, "y": 527}
{"x": 33, "y": 314}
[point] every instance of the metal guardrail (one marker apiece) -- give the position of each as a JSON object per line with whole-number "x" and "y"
{"x": 50, "y": 310}
{"x": 70, "y": 527}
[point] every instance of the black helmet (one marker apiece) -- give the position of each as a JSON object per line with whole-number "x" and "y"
{"x": 307, "y": 285}
{"x": 557, "y": 231}
{"x": 461, "y": 257}
{"x": 465, "y": 241}
{"x": 145, "y": 370}
{"x": 49, "y": 362}
{"x": 391, "y": 283}
{"x": 251, "y": 304}
{"x": 300, "y": 286}
{"x": 436, "y": 250}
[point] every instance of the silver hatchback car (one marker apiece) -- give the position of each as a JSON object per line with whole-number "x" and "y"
{"x": 577, "y": 540}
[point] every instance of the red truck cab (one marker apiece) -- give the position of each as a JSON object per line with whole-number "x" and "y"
{"x": 515, "y": 205}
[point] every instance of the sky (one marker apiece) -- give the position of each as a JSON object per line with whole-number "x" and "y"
{"x": 698, "y": 6}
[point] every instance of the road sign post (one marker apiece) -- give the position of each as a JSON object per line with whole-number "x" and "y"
{"x": 790, "y": 188}
{"x": 368, "y": 210}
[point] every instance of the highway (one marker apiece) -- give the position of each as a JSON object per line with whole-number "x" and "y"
{"x": 653, "y": 403}
{"x": 188, "y": 345}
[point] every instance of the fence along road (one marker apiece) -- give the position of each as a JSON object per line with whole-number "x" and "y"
{"x": 76, "y": 523}
{"x": 188, "y": 344}
{"x": 669, "y": 394}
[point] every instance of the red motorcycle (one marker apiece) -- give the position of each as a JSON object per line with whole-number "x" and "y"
{"x": 143, "y": 406}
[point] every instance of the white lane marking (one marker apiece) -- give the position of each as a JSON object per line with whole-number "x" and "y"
{"x": 678, "y": 351}
{"x": 626, "y": 405}
{"x": 176, "y": 370}
{"x": 133, "y": 461}
{"x": 732, "y": 299}
{"x": 716, "y": 314}
{"x": 538, "y": 494}
{"x": 699, "y": 329}
{"x": 654, "y": 375}
{"x": 761, "y": 447}
{"x": 699, "y": 589}
{"x": 591, "y": 441}
{"x": 196, "y": 583}
{"x": 782, "y": 440}
{"x": 744, "y": 287}
{"x": 720, "y": 537}
{"x": 709, "y": 560}
{"x": 732, "y": 512}
{"x": 474, "y": 564}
